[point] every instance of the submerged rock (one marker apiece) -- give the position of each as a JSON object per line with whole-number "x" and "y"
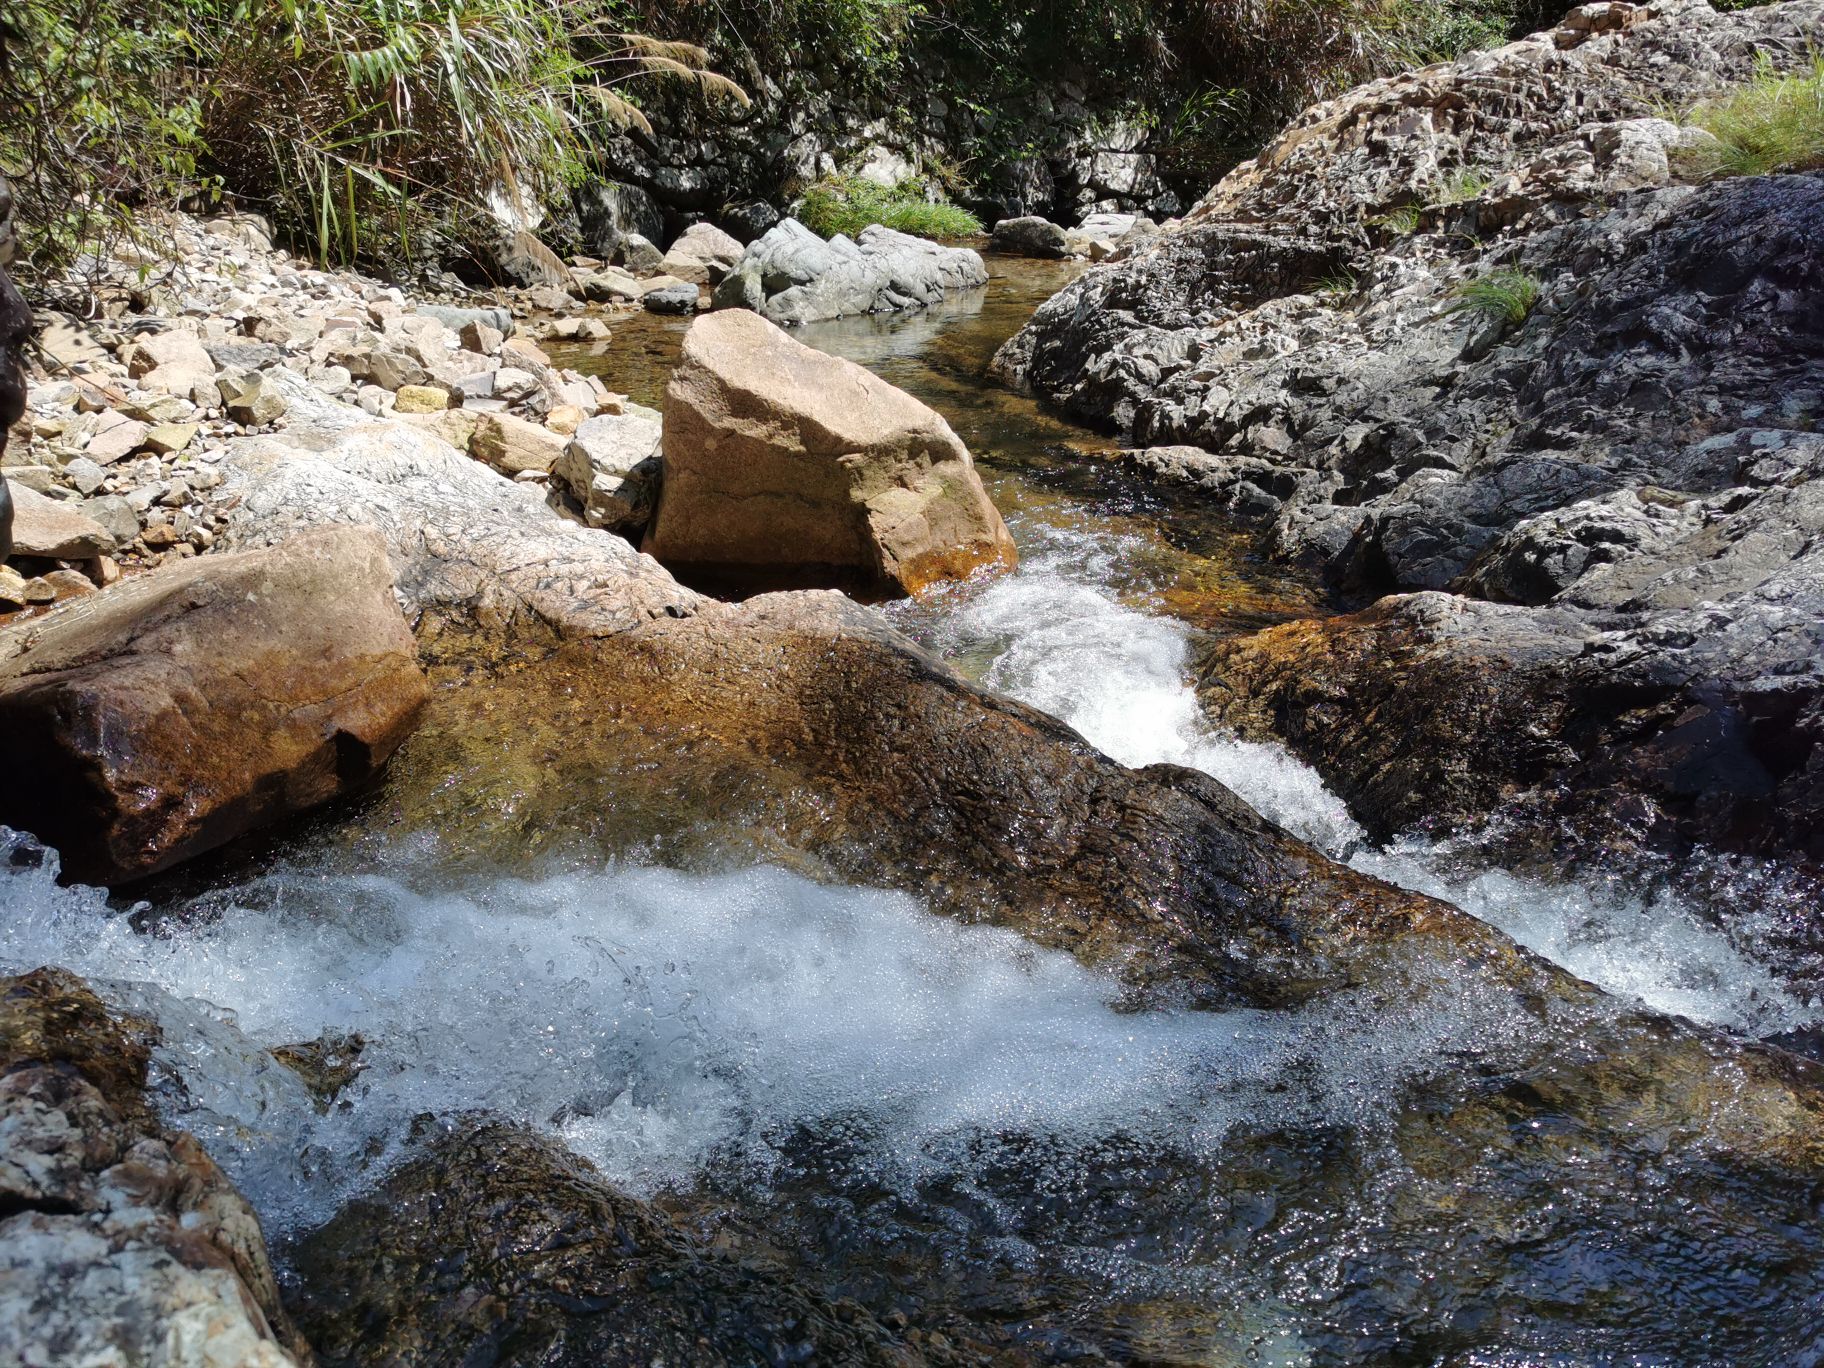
{"x": 496, "y": 1246}
{"x": 120, "y": 1240}
{"x": 787, "y": 460}
{"x": 203, "y": 699}
{"x": 793, "y": 276}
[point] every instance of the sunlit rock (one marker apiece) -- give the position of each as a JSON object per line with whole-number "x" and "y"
{"x": 783, "y": 459}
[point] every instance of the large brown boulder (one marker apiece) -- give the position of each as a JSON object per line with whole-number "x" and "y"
{"x": 120, "y": 1240}
{"x": 780, "y": 458}
{"x": 189, "y": 705}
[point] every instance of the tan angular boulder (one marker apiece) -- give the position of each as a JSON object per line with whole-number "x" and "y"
{"x": 187, "y": 706}
{"x": 512, "y": 445}
{"x": 173, "y": 362}
{"x": 702, "y": 255}
{"x": 53, "y": 529}
{"x": 782, "y": 460}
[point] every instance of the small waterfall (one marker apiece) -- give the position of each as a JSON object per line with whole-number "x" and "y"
{"x": 1055, "y": 635}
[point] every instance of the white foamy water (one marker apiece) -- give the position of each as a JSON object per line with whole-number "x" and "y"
{"x": 1054, "y": 636}
{"x": 662, "y": 1022}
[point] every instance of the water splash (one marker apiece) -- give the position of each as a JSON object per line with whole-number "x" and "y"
{"x": 1055, "y": 635}
{"x": 666, "y": 1023}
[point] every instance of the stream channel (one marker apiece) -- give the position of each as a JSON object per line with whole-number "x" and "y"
{"x": 941, "y": 1120}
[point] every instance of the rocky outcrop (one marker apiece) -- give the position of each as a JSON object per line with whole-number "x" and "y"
{"x": 786, "y": 460}
{"x": 120, "y": 1240}
{"x": 495, "y": 1245}
{"x": 793, "y": 276}
{"x": 1624, "y": 454}
{"x": 1060, "y": 149}
{"x": 201, "y": 700}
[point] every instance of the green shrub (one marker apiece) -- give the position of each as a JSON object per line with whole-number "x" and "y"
{"x": 847, "y": 204}
{"x": 100, "y": 123}
{"x": 367, "y": 123}
{"x": 1401, "y": 222}
{"x": 1506, "y": 295}
{"x": 372, "y": 129}
{"x": 1774, "y": 123}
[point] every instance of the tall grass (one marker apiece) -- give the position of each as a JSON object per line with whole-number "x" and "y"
{"x": 1504, "y": 296}
{"x": 367, "y": 128}
{"x": 847, "y": 204}
{"x": 1774, "y": 123}
{"x": 389, "y": 118}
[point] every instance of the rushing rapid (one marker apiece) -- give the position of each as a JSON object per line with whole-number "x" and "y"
{"x": 1055, "y": 635}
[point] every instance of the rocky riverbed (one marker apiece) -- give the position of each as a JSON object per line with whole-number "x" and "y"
{"x": 625, "y": 972}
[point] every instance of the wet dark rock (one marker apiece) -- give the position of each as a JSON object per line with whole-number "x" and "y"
{"x": 671, "y": 299}
{"x": 1631, "y": 466}
{"x": 326, "y": 1065}
{"x": 120, "y": 1240}
{"x": 495, "y": 1246}
{"x": 609, "y": 212}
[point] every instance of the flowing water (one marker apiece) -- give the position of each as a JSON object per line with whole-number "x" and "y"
{"x": 945, "y": 1121}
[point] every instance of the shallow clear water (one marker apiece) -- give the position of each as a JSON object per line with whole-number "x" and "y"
{"x": 1412, "y": 1171}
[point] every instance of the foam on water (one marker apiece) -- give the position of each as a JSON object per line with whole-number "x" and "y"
{"x": 664, "y": 1023}
{"x": 1059, "y": 640}
{"x": 1052, "y": 634}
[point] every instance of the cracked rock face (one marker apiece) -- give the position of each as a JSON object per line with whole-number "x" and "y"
{"x": 121, "y": 1241}
{"x": 1628, "y": 465}
{"x": 205, "y": 698}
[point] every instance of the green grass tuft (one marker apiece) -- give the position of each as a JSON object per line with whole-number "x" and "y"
{"x": 1466, "y": 185}
{"x": 1399, "y": 222}
{"x": 1506, "y": 295}
{"x": 1774, "y": 123}
{"x": 847, "y": 204}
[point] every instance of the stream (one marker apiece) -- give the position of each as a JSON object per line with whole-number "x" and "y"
{"x": 940, "y": 1119}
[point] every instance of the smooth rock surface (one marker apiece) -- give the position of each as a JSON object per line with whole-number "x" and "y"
{"x": 792, "y": 276}
{"x": 781, "y": 458}
{"x": 196, "y": 702}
